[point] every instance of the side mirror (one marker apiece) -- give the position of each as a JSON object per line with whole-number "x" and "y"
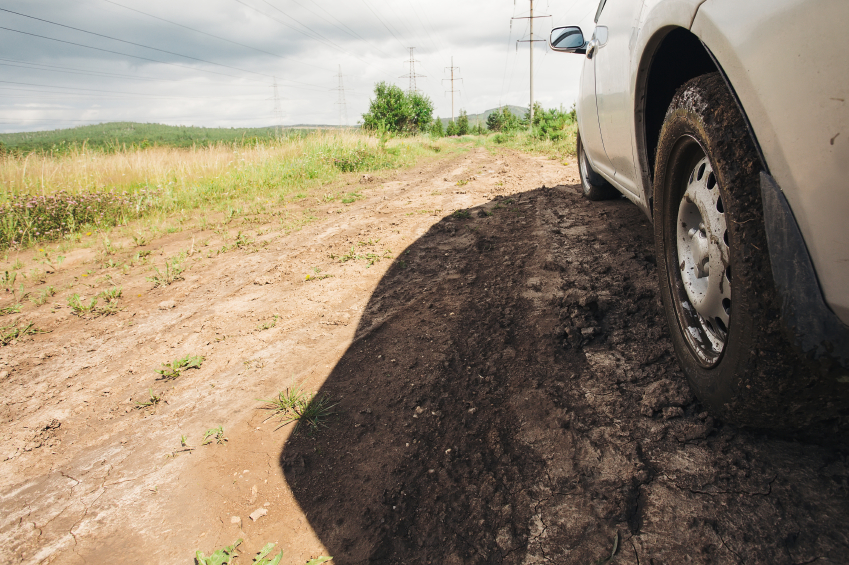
{"x": 567, "y": 40}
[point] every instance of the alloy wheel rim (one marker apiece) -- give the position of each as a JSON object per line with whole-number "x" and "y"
{"x": 704, "y": 264}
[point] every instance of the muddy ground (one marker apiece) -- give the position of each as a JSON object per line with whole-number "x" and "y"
{"x": 504, "y": 384}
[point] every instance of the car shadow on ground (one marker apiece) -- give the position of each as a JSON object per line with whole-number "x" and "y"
{"x": 511, "y": 396}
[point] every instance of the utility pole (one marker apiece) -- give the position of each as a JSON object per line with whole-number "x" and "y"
{"x": 412, "y": 75}
{"x": 452, "y": 68}
{"x": 531, "y": 41}
{"x": 278, "y": 112}
{"x": 343, "y": 108}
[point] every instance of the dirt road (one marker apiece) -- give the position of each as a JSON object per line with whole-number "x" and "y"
{"x": 505, "y": 386}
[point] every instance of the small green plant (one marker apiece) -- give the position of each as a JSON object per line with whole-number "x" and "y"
{"x": 13, "y": 332}
{"x": 17, "y": 265}
{"x": 462, "y": 214}
{"x": 268, "y": 325}
{"x": 222, "y": 556}
{"x": 263, "y": 559}
{"x": 318, "y": 560}
{"x": 110, "y": 298}
{"x": 152, "y": 401}
{"x": 8, "y": 280}
{"x": 351, "y": 197}
{"x": 13, "y": 309}
{"x": 141, "y": 239}
{"x": 214, "y": 435}
{"x": 173, "y": 272}
{"x": 462, "y": 182}
{"x": 42, "y": 297}
{"x": 173, "y": 369}
{"x": 79, "y": 307}
{"x": 294, "y": 405}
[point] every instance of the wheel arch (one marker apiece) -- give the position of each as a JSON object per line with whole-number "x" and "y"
{"x": 671, "y": 57}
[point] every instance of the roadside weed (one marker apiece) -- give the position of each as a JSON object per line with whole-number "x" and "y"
{"x": 462, "y": 182}
{"x": 8, "y": 280}
{"x": 13, "y": 309}
{"x": 318, "y": 560}
{"x": 351, "y": 197}
{"x": 260, "y": 558}
{"x": 294, "y": 405}
{"x": 17, "y": 265}
{"x": 152, "y": 401}
{"x": 268, "y": 325}
{"x": 173, "y": 272}
{"x": 214, "y": 435}
{"x": 43, "y": 295}
{"x": 222, "y": 556}
{"x": 13, "y": 332}
{"x": 462, "y": 214}
{"x": 110, "y": 298}
{"x": 175, "y": 368}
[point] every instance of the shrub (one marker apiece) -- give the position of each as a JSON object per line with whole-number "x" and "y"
{"x": 462, "y": 123}
{"x": 398, "y": 112}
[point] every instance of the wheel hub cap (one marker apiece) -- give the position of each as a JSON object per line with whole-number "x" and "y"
{"x": 703, "y": 257}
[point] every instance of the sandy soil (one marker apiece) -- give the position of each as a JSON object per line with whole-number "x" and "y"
{"x": 505, "y": 386}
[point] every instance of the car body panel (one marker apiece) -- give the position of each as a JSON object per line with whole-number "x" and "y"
{"x": 801, "y": 125}
{"x": 587, "y": 111}
{"x": 612, "y": 60}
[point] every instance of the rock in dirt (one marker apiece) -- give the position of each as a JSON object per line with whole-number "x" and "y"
{"x": 236, "y": 520}
{"x": 258, "y": 513}
{"x": 665, "y": 393}
{"x": 167, "y": 305}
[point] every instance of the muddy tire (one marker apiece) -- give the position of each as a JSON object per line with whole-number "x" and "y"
{"x": 594, "y": 186}
{"x": 713, "y": 263}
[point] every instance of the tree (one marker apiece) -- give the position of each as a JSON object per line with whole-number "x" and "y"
{"x": 463, "y": 123}
{"x": 495, "y": 121}
{"x": 451, "y": 129}
{"x": 436, "y": 128}
{"x": 395, "y": 111}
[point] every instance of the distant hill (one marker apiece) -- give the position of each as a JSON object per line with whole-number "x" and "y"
{"x": 475, "y": 118}
{"x": 103, "y": 136}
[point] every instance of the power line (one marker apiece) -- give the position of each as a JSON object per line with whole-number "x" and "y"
{"x": 216, "y": 36}
{"x": 412, "y": 75}
{"x": 452, "y": 68}
{"x": 136, "y": 44}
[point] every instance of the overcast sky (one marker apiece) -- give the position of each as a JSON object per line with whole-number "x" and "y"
{"x": 214, "y": 62}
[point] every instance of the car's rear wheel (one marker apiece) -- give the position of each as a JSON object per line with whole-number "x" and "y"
{"x": 713, "y": 262}
{"x": 594, "y": 186}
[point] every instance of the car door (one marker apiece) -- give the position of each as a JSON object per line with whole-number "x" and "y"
{"x": 616, "y": 25}
{"x": 588, "y": 121}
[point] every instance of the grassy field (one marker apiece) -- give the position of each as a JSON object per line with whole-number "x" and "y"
{"x": 49, "y": 197}
{"x": 118, "y": 135}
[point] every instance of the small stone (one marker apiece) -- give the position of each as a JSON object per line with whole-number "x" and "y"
{"x": 267, "y": 504}
{"x": 4, "y": 374}
{"x": 254, "y": 491}
{"x": 419, "y": 410}
{"x": 258, "y": 513}
{"x": 236, "y": 520}
{"x": 167, "y": 305}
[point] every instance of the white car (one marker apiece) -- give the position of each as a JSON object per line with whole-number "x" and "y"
{"x": 727, "y": 122}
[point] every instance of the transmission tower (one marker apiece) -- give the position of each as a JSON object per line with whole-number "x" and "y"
{"x": 531, "y": 41}
{"x": 412, "y": 74}
{"x": 278, "y": 112}
{"x": 452, "y": 68}
{"x": 343, "y": 107}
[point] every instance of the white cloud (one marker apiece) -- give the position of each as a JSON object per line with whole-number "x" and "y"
{"x": 46, "y": 84}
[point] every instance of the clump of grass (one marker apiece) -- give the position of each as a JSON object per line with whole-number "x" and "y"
{"x": 305, "y": 409}
{"x": 172, "y": 370}
{"x": 13, "y": 309}
{"x": 110, "y": 298}
{"x": 42, "y": 296}
{"x": 13, "y": 332}
{"x": 351, "y": 197}
{"x": 152, "y": 401}
{"x": 462, "y": 214}
{"x": 173, "y": 272}
{"x": 268, "y": 325}
{"x": 214, "y": 435}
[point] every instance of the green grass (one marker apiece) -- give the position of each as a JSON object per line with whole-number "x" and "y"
{"x": 214, "y": 435}
{"x": 10, "y": 333}
{"x": 115, "y": 136}
{"x": 305, "y": 409}
{"x": 174, "y": 369}
{"x": 81, "y": 307}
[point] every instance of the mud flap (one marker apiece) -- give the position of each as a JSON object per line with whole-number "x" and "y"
{"x": 812, "y": 325}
